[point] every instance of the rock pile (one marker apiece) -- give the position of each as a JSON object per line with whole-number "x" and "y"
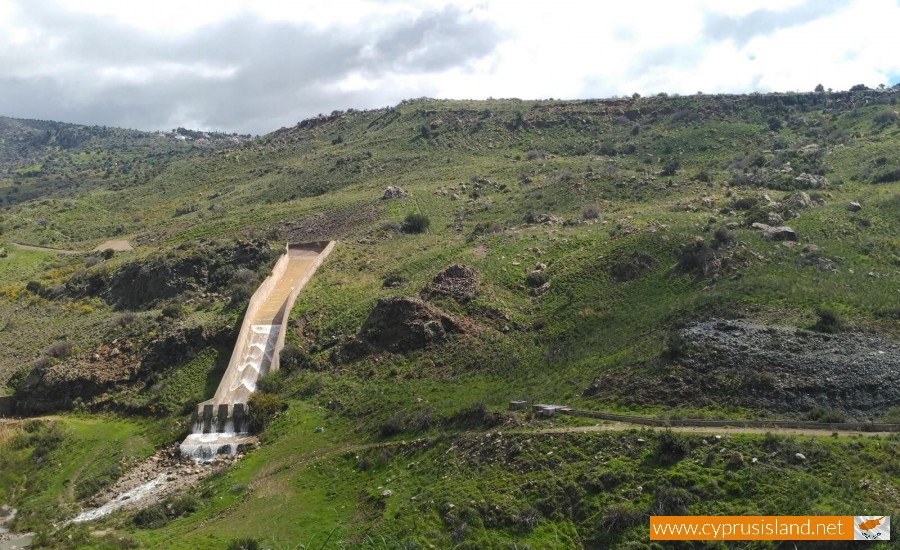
{"x": 458, "y": 281}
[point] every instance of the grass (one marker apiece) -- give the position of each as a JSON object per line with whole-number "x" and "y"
{"x": 504, "y": 185}
{"x": 78, "y": 457}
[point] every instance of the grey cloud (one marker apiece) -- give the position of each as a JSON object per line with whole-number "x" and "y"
{"x": 744, "y": 28}
{"x": 281, "y": 72}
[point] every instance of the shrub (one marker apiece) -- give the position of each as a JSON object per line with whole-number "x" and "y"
{"x": 591, "y": 212}
{"x": 151, "y": 517}
{"x": 293, "y": 358}
{"x": 391, "y": 225}
{"x": 636, "y": 266}
{"x": 392, "y": 426}
{"x": 263, "y": 408}
{"x": 535, "y": 279}
{"x": 825, "y": 416}
{"x": 697, "y": 257}
{"x": 272, "y": 382}
{"x": 60, "y": 350}
{"x": 474, "y": 416}
{"x": 828, "y": 321}
{"x": 722, "y": 238}
{"x": 672, "y": 447}
{"x": 124, "y": 319}
{"x": 416, "y": 223}
{"x": 671, "y": 167}
{"x": 243, "y": 544}
{"x": 675, "y": 345}
{"x": 182, "y": 505}
{"x": 173, "y": 311}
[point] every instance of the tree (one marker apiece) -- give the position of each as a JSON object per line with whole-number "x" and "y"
{"x": 820, "y": 88}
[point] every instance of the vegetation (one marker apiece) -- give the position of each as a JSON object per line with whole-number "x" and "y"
{"x": 515, "y": 191}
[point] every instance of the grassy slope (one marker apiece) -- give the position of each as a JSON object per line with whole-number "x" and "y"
{"x": 588, "y": 322}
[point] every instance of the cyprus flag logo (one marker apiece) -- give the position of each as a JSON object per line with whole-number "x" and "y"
{"x": 871, "y": 527}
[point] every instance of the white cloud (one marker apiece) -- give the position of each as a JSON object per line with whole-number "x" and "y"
{"x": 241, "y": 65}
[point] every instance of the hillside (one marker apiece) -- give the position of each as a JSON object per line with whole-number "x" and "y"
{"x": 703, "y": 256}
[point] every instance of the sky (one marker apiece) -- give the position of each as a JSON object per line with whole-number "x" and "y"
{"x": 254, "y": 67}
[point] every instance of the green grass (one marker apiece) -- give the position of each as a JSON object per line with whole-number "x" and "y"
{"x": 307, "y": 486}
{"x": 88, "y": 453}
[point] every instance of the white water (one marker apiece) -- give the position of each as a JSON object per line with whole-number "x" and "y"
{"x": 205, "y": 447}
{"x": 255, "y": 361}
{"x": 120, "y": 501}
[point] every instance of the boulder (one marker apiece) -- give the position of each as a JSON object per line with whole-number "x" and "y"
{"x": 810, "y": 181}
{"x": 393, "y": 192}
{"x": 781, "y": 233}
{"x": 798, "y": 201}
{"x": 854, "y": 207}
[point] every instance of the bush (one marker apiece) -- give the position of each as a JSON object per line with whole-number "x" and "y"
{"x": 671, "y": 167}
{"x": 293, "y": 358}
{"x": 60, "y": 350}
{"x": 675, "y": 345}
{"x": 697, "y": 257}
{"x": 722, "y": 238}
{"x": 263, "y": 408}
{"x": 416, "y": 223}
{"x": 173, "y": 311}
{"x": 591, "y": 212}
{"x": 391, "y": 225}
{"x": 636, "y": 266}
{"x": 151, "y": 517}
{"x": 182, "y": 505}
{"x": 272, "y": 382}
{"x": 243, "y": 544}
{"x": 825, "y": 416}
{"x": 535, "y": 279}
{"x": 672, "y": 447}
{"x": 474, "y": 416}
{"x": 392, "y": 426}
{"x": 829, "y": 321}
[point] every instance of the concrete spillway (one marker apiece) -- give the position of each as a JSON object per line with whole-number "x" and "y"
{"x": 220, "y": 424}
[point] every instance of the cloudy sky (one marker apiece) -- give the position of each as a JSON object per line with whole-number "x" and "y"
{"x": 252, "y": 67}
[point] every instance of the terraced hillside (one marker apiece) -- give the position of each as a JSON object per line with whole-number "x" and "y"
{"x": 600, "y": 253}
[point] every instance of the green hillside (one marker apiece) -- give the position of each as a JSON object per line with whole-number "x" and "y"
{"x": 610, "y": 247}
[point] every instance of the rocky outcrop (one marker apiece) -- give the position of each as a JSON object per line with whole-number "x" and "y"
{"x": 810, "y": 181}
{"x": 766, "y": 367}
{"x": 201, "y": 266}
{"x": 56, "y": 386}
{"x": 399, "y": 325}
{"x": 781, "y": 233}
{"x": 393, "y": 192}
{"x": 458, "y": 281}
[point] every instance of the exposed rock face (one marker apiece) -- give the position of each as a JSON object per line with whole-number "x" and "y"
{"x": 140, "y": 284}
{"x": 393, "y": 192}
{"x": 782, "y": 233}
{"x": 798, "y": 201}
{"x": 810, "y": 181}
{"x": 458, "y": 281}
{"x": 782, "y": 369}
{"x": 49, "y": 387}
{"x": 400, "y": 325}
